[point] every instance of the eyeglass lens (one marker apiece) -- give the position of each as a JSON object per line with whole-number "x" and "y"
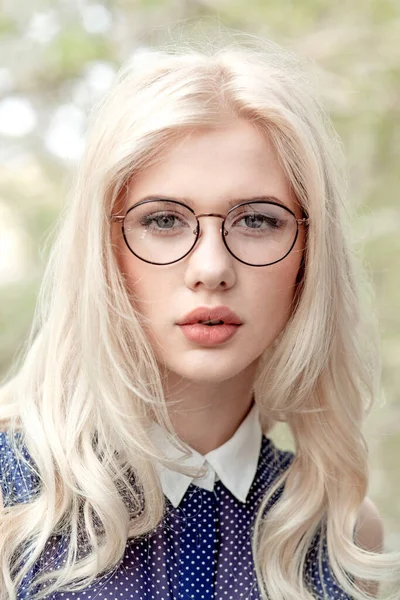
{"x": 256, "y": 233}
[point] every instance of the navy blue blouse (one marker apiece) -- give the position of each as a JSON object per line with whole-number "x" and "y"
{"x": 200, "y": 550}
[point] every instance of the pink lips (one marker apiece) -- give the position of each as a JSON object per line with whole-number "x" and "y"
{"x": 217, "y": 313}
{"x": 207, "y": 335}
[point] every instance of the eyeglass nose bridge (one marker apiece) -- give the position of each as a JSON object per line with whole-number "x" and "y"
{"x": 210, "y": 215}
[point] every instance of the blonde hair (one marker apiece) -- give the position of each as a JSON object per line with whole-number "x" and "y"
{"x": 89, "y": 385}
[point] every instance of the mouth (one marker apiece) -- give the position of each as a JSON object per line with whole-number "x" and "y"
{"x": 211, "y": 323}
{"x": 211, "y": 317}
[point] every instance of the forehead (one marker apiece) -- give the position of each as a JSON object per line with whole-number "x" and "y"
{"x": 214, "y": 168}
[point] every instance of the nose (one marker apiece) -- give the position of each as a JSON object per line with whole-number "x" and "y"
{"x": 210, "y": 264}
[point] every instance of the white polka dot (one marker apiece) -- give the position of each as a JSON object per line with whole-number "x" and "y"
{"x": 201, "y": 550}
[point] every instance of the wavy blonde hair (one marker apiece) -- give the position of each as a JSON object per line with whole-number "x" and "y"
{"x": 89, "y": 385}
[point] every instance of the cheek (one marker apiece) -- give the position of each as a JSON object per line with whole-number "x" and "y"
{"x": 271, "y": 293}
{"x": 151, "y": 289}
{"x": 144, "y": 287}
{"x": 134, "y": 273}
{"x": 132, "y": 268}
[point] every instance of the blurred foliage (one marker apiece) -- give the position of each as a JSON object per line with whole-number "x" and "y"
{"x": 59, "y": 57}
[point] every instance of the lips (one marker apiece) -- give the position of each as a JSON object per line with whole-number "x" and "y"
{"x": 217, "y": 313}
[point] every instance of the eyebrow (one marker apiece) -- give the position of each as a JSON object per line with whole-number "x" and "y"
{"x": 231, "y": 203}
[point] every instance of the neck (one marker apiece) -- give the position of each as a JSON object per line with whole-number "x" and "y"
{"x": 205, "y": 415}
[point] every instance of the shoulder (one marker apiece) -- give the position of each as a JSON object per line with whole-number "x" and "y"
{"x": 273, "y": 464}
{"x": 18, "y": 476}
{"x": 278, "y": 458}
{"x": 369, "y": 532}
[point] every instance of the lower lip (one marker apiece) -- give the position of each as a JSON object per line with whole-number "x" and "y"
{"x": 207, "y": 335}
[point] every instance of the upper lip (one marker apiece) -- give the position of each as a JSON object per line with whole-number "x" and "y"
{"x": 205, "y": 313}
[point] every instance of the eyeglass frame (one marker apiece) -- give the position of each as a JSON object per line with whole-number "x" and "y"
{"x": 114, "y": 218}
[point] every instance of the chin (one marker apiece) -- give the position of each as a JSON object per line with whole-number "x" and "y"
{"x": 210, "y": 368}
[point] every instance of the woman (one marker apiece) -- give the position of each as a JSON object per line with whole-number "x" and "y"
{"x": 201, "y": 289}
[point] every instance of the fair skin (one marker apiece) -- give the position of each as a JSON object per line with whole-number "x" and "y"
{"x": 213, "y": 385}
{"x": 208, "y": 169}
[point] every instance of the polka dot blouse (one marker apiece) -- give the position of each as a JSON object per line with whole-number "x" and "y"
{"x": 201, "y": 550}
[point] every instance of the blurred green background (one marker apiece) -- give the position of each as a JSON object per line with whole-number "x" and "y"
{"x": 58, "y": 58}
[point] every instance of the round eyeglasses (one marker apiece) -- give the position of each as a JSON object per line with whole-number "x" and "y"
{"x": 257, "y": 233}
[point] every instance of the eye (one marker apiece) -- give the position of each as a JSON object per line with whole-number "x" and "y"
{"x": 163, "y": 221}
{"x": 146, "y": 222}
{"x": 258, "y": 221}
{"x": 259, "y": 218}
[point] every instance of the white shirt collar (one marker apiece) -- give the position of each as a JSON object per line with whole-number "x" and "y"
{"x": 234, "y": 463}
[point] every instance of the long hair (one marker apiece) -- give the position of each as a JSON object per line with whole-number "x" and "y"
{"x": 89, "y": 385}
